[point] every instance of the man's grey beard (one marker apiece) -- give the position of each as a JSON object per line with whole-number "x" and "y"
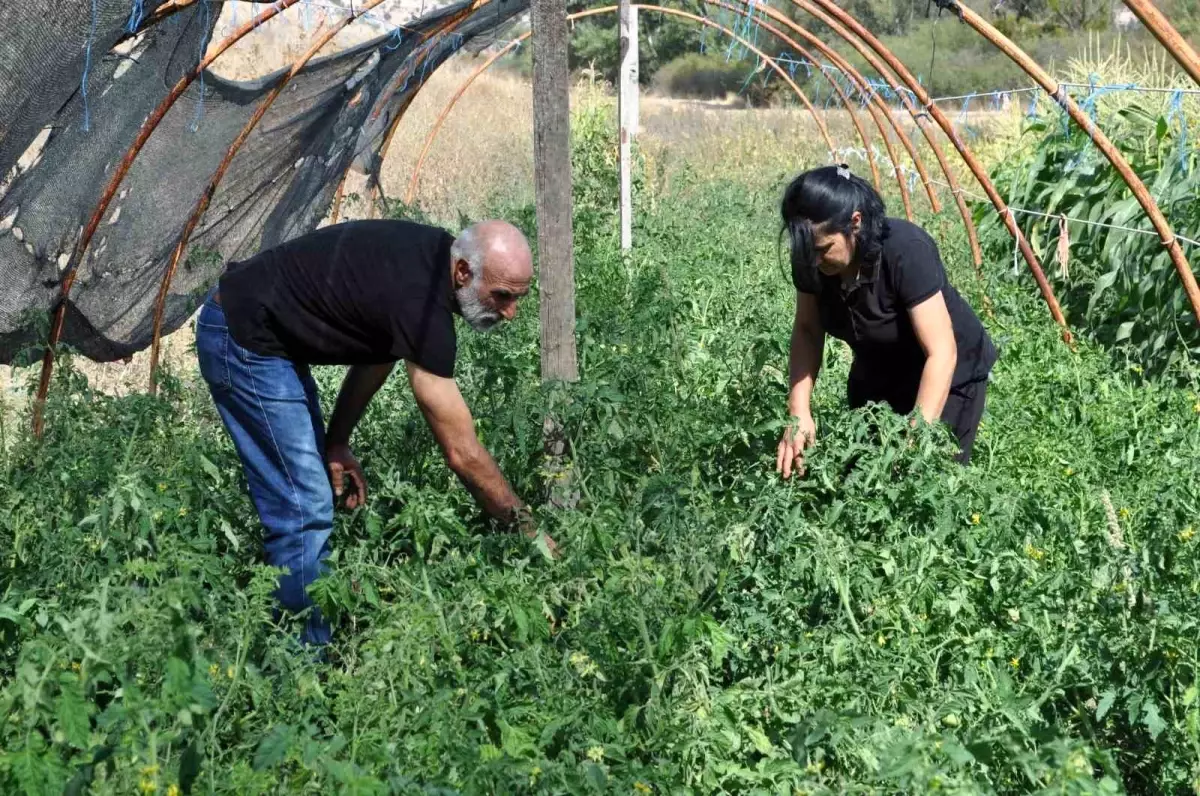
{"x": 478, "y": 317}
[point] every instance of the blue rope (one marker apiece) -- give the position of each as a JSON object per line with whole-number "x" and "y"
{"x": 87, "y": 68}
{"x": 136, "y": 15}
{"x": 200, "y": 57}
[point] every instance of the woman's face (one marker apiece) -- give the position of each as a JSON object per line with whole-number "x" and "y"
{"x": 835, "y": 250}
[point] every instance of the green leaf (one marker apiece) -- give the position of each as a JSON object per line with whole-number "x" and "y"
{"x": 1125, "y": 330}
{"x": 1153, "y": 720}
{"x": 760, "y": 740}
{"x": 543, "y": 547}
{"x": 274, "y": 747}
{"x": 1105, "y": 705}
{"x": 596, "y": 776}
{"x": 72, "y": 714}
{"x": 210, "y": 468}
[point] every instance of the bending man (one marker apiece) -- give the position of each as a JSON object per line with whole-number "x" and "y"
{"x": 365, "y": 294}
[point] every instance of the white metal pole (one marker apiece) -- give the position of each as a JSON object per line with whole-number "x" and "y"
{"x": 627, "y": 111}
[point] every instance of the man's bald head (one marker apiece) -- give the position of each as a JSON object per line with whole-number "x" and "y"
{"x": 491, "y": 267}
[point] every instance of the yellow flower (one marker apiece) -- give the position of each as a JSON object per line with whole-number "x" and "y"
{"x": 596, "y": 754}
{"x": 230, "y": 672}
{"x": 162, "y": 487}
{"x": 1196, "y": 407}
{"x": 1034, "y": 553}
{"x": 534, "y": 773}
{"x": 642, "y": 787}
{"x": 881, "y": 641}
{"x": 1068, "y": 472}
{"x": 976, "y": 519}
{"x": 147, "y": 786}
{"x": 214, "y": 670}
{"x": 150, "y": 770}
{"x": 1186, "y": 534}
{"x": 183, "y": 512}
{"x": 173, "y": 790}
{"x": 1015, "y": 663}
{"x": 75, "y": 666}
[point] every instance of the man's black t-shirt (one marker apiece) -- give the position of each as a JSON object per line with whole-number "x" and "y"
{"x": 357, "y": 293}
{"x": 872, "y": 316}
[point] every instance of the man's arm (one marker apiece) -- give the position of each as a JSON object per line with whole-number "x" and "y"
{"x": 452, "y": 425}
{"x": 358, "y": 388}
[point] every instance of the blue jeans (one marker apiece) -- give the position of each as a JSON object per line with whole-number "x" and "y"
{"x": 271, "y": 410}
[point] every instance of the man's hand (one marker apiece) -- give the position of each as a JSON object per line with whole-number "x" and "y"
{"x": 527, "y": 526}
{"x": 799, "y": 435}
{"x": 343, "y": 467}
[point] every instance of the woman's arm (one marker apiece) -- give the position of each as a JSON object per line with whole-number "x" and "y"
{"x": 935, "y": 331}
{"x": 804, "y": 359}
{"x": 804, "y": 362}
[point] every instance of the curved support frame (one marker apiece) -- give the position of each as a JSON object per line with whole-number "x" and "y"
{"x": 919, "y": 118}
{"x": 1167, "y": 35}
{"x": 206, "y": 197}
{"x": 845, "y": 100}
{"x": 470, "y": 79}
{"x": 1102, "y": 142}
{"x": 874, "y": 100}
{"x": 593, "y": 12}
{"x": 147, "y": 129}
{"x": 869, "y": 50}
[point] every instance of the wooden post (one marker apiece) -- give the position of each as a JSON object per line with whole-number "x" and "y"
{"x": 627, "y": 111}
{"x": 552, "y": 187}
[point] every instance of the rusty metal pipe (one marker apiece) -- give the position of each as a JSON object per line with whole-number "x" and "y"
{"x": 864, "y": 87}
{"x": 845, "y": 100}
{"x": 872, "y": 100}
{"x": 144, "y": 132}
{"x": 1102, "y": 142}
{"x": 839, "y": 17}
{"x": 479, "y": 70}
{"x": 1165, "y": 32}
{"x": 919, "y": 118}
{"x": 210, "y": 189}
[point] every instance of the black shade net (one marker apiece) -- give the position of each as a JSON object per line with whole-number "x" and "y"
{"x": 281, "y": 183}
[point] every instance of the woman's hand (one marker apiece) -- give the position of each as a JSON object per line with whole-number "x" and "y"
{"x": 797, "y": 437}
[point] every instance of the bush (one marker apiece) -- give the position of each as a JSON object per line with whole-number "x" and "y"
{"x": 701, "y": 76}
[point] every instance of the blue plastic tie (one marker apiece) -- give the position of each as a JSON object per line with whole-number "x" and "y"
{"x": 136, "y": 15}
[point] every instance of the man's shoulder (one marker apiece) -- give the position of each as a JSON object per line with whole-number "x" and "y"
{"x": 401, "y": 228}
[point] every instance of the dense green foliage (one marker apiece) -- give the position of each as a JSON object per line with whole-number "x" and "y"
{"x": 889, "y": 623}
{"x": 1119, "y": 285}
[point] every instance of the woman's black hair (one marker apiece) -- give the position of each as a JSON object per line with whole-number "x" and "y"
{"x": 830, "y": 195}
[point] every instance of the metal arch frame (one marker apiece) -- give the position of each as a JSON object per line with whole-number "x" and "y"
{"x": 470, "y": 79}
{"x": 874, "y": 100}
{"x": 1149, "y": 15}
{"x": 873, "y": 50}
{"x": 147, "y": 129}
{"x": 206, "y": 197}
{"x": 1168, "y": 37}
{"x": 1059, "y": 94}
{"x": 593, "y": 12}
{"x": 919, "y": 119}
